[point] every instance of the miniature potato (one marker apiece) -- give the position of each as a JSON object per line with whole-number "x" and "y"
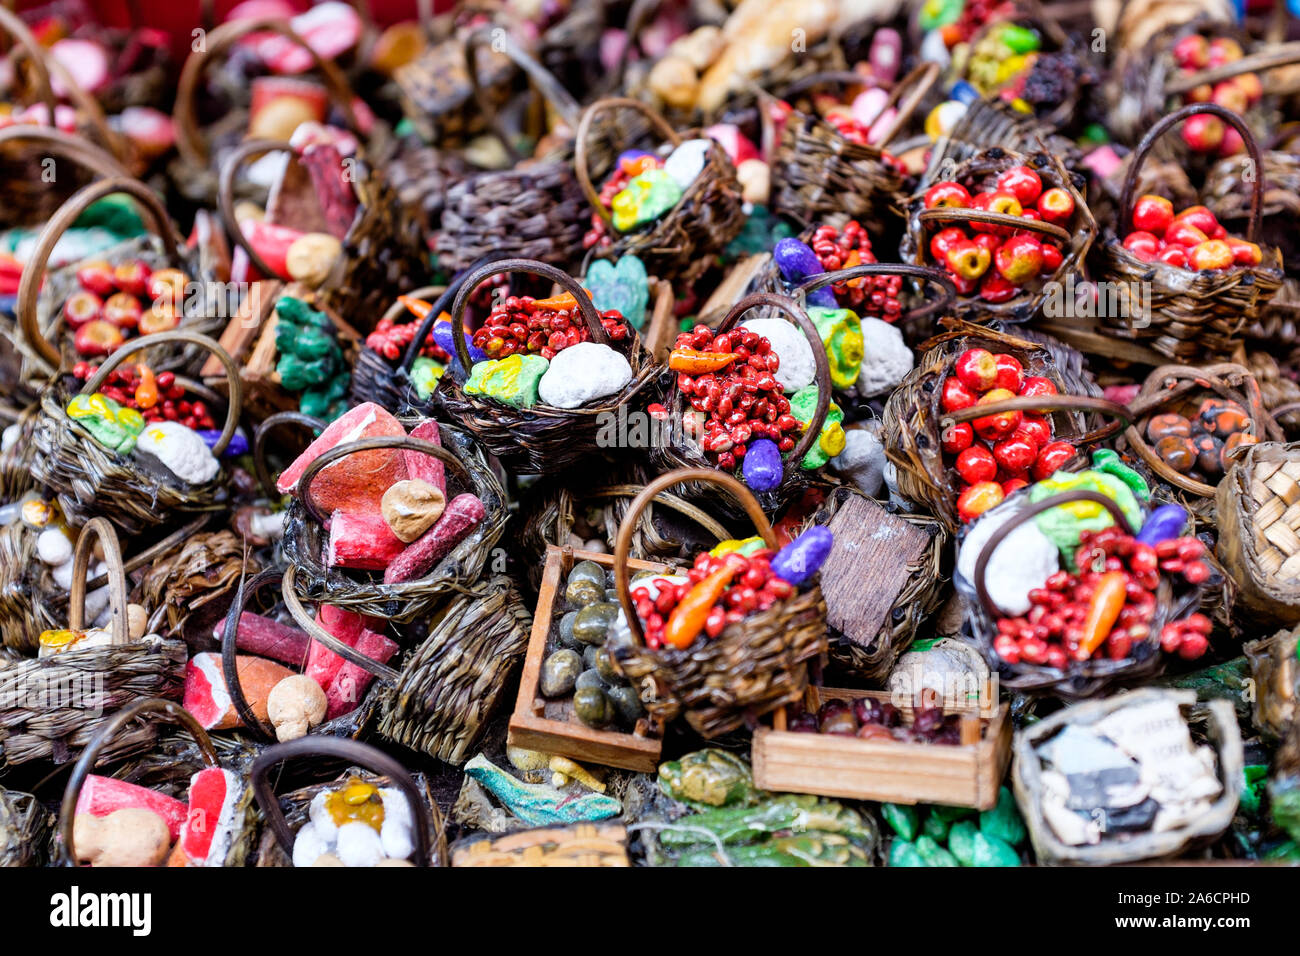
{"x": 129, "y": 837}
{"x": 294, "y": 706}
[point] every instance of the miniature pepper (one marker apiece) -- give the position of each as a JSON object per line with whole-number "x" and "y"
{"x": 687, "y": 619}
{"x": 146, "y": 393}
{"x": 695, "y": 362}
{"x": 1103, "y": 610}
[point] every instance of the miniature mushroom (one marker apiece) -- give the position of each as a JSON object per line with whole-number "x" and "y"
{"x": 294, "y": 706}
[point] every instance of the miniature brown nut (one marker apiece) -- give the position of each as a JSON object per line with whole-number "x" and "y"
{"x": 279, "y": 118}
{"x": 132, "y": 836}
{"x": 294, "y": 706}
{"x": 312, "y": 258}
{"x": 411, "y": 507}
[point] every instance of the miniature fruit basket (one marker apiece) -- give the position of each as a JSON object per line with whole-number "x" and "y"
{"x": 540, "y": 414}
{"x": 673, "y": 213}
{"x": 108, "y": 822}
{"x": 716, "y": 664}
{"x": 344, "y": 543}
{"x": 1008, "y": 227}
{"x": 935, "y": 415}
{"x": 89, "y": 445}
{"x": 1257, "y": 519}
{"x": 1203, "y": 286}
{"x": 721, "y": 425}
{"x": 1190, "y": 422}
{"x": 828, "y": 167}
{"x": 101, "y": 668}
{"x": 1105, "y": 837}
{"x": 1106, "y": 613}
{"x": 403, "y": 825}
{"x": 379, "y": 374}
{"x": 866, "y": 745}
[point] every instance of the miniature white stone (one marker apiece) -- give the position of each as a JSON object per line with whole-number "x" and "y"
{"x": 862, "y": 461}
{"x": 53, "y": 546}
{"x": 181, "y": 450}
{"x": 63, "y": 574}
{"x": 686, "y": 162}
{"x": 581, "y": 373}
{"x": 886, "y": 359}
{"x": 1023, "y": 561}
{"x": 395, "y": 836}
{"x": 321, "y": 819}
{"x": 308, "y": 846}
{"x": 269, "y": 526}
{"x": 791, "y": 346}
{"x": 358, "y": 844}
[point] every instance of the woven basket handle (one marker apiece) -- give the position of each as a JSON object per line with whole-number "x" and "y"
{"x": 168, "y": 711}
{"x": 1030, "y": 511}
{"x": 1284, "y": 54}
{"x": 529, "y": 267}
{"x": 659, "y": 124}
{"x": 552, "y": 91}
{"x": 1162, "y": 126}
{"x": 189, "y": 140}
{"x": 370, "y": 444}
{"x": 442, "y": 304}
{"x": 355, "y": 753}
{"x": 989, "y": 217}
{"x": 795, "y": 313}
{"x": 928, "y": 273}
{"x": 623, "y": 543}
{"x": 29, "y": 286}
{"x": 75, "y": 149}
{"x": 268, "y": 425}
{"x": 289, "y": 592}
{"x": 15, "y": 27}
{"x": 226, "y": 194}
{"x": 99, "y": 529}
{"x": 234, "y": 386}
{"x": 229, "y": 664}
{"x": 1120, "y": 415}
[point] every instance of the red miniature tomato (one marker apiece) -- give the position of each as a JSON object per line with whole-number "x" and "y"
{"x": 1051, "y": 458}
{"x": 1037, "y": 428}
{"x": 977, "y": 464}
{"x": 1152, "y": 214}
{"x": 1012, "y": 485}
{"x": 1015, "y": 454}
{"x": 977, "y": 369}
{"x": 1037, "y": 385}
{"x": 947, "y": 194}
{"x": 1023, "y": 183}
{"x": 1001, "y": 424}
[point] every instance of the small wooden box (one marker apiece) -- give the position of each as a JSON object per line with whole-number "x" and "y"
{"x": 965, "y": 775}
{"x": 551, "y": 725}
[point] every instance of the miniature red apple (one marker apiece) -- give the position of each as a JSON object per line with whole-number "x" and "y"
{"x": 132, "y": 277}
{"x": 979, "y": 498}
{"x": 1244, "y": 253}
{"x": 977, "y": 369}
{"x": 950, "y": 194}
{"x": 1251, "y": 86}
{"x": 956, "y": 396}
{"x": 1192, "y": 52}
{"x": 123, "y": 310}
{"x": 1023, "y": 183}
{"x": 986, "y": 240}
{"x": 967, "y": 259}
{"x": 997, "y": 201}
{"x": 97, "y": 337}
{"x": 943, "y": 240}
{"x": 168, "y": 285}
{"x": 976, "y": 464}
{"x": 1000, "y": 424}
{"x": 1231, "y": 145}
{"x": 1019, "y": 259}
{"x": 1038, "y": 385}
{"x": 1051, "y": 457}
{"x": 1211, "y": 254}
{"x": 1223, "y": 50}
{"x": 1230, "y": 96}
{"x": 957, "y": 438}
{"x": 1052, "y": 257}
{"x": 1015, "y": 454}
{"x": 1173, "y": 256}
{"x": 1152, "y": 214}
{"x": 97, "y": 277}
{"x": 1183, "y": 233}
{"x": 996, "y": 289}
{"x": 1202, "y": 132}
{"x": 1035, "y": 428}
{"x": 161, "y": 317}
{"x": 1012, "y": 485}
{"x": 82, "y": 307}
{"x": 1011, "y": 374}
{"x": 1056, "y": 205}
{"x": 1202, "y": 219}
{"x": 1143, "y": 245}
{"x": 1199, "y": 94}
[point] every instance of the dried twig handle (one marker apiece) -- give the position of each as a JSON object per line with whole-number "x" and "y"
{"x": 75, "y": 149}
{"x": 659, "y": 124}
{"x": 1119, "y": 415}
{"x": 29, "y": 286}
{"x": 1162, "y": 126}
{"x": 928, "y": 273}
{"x": 623, "y": 544}
{"x": 529, "y": 267}
{"x": 234, "y": 386}
{"x": 99, "y": 529}
{"x": 941, "y": 214}
{"x": 317, "y": 633}
{"x": 14, "y": 25}
{"x": 248, "y": 588}
{"x": 1030, "y": 511}
{"x": 169, "y": 711}
{"x": 268, "y": 425}
{"x": 354, "y": 752}
{"x": 1270, "y": 58}
{"x": 552, "y": 91}
{"x": 441, "y": 305}
{"x": 226, "y": 194}
{"x": 821, "y": 364}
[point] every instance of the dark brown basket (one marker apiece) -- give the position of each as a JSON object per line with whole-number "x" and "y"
{"x": 90, "y": 480}
{"x": 991, "y": 123}
{"x": 1280, "y": 172}
{"x": 977, "y": 173}
{"x": 305, "y": 535}
{"x": 284, "y": 814}
{"x": 1193, "y": 315}
{"x": 163, "y": 711}
{"x": 680, "y": 245}
{"x": 55, "y": 705}
{"x": 818, "y": 173}
{"x": 542, "y": 439}
{"x": 30, "y": 199}
{"x": 754, "y": 666}
{"x": 1080, "y": 678}
{"x": 914, "y": 418}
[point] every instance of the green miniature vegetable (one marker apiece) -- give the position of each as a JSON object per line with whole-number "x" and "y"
{"x": 961, "y": 842}
{"x": 903, "y": 853}
{"x": 903, "y": 820}
{"x": 990, "y": 851}
{"x": 933, "y": 854}
{"x": 1003, "y": 821}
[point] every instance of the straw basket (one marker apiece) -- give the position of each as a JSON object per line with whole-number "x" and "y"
{"x": 753, "y": 666}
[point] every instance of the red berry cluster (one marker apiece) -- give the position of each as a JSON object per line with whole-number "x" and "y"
{"x": 518, "y": 324}
{"x": 753, "y": 588}
{"x": 390, "y": 340}
{"x": 600, "y": 231}
{"x": 875, "y": 296}
{"x": 161, "y": 400}
{"x": 974, "y": 14}
{"x": 739, "y": 403}
{"x": 871, "y": 719}
{"x": 1053, "y": 632}
{"x": 997, "y": 454}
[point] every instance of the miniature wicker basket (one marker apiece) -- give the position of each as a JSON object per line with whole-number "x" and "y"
{"x": 244, "y": 820}
{"x": 90, "y": 480}
{"x": 914, "y": 419}
{"x": 285, "y": 814}
{"x": 55, "y": 705}
{"x": 541, "y": 439}
{"x": 680, "y": 245}
{"x": 977, "y": 173}
{"x": 1193, "y": 315}
{"x": 305, "y": 535}
{"x": 752, "y": 667}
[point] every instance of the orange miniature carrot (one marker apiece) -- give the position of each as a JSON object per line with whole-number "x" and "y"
{"x": 564, "y": 300}
{"x": 693, "y": 361}
{"x": 687, "y": 618}
{"x": 1103, "y": 610}
{"x": 418, "y": 307}
{"x": 146, "y": 393}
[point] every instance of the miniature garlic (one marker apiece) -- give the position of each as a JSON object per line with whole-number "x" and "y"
{"x": 181, "y": 451}
{"x": 358, "y": 844}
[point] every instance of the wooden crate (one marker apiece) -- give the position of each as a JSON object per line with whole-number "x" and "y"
{"x": 551, "y": 725}
{"x": 965, "y": 775}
